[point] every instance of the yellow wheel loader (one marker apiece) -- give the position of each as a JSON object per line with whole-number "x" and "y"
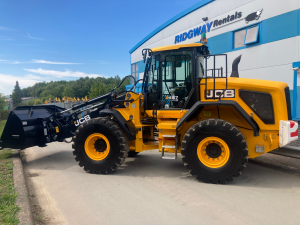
{"x": 188, "y": 105}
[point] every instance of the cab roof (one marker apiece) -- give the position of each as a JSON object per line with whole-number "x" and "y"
{"x": 174, "y": 47}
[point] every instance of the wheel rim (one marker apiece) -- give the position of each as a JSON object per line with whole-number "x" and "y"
{"x": 213, "y": 152}
{"x": 97, "y": 146}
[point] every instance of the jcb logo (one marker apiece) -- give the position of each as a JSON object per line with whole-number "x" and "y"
{"x": 229, "y": 93}
{"x": 82, "y": 120}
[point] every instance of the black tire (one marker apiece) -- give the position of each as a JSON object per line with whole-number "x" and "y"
{"x": 119, "y": 145}
{"x": 230, "y": 134}
{"x": 132, "y": 154}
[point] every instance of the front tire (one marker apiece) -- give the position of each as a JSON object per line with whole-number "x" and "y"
{"x": 132, "y": 154}
{"x": 100, "y": 146}
{"x": 214, "y": 151}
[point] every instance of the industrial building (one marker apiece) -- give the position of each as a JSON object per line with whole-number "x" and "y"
{"x": 264, "y": 32}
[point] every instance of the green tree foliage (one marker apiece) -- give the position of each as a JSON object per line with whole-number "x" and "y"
{"x": 69, "y": 91}
{"x": 2, "y": 105}
{"x": 38, "y": 102}
{"x": 2, "y": 101}
{"x": 102, "y": 86}
{"x": 17, "y": 95}
{"x": 98, "y": 88}
{"x": 80, "y": 88}
{"x": 30, "y": 102}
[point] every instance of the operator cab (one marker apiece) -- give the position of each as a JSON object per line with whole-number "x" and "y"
{"x": 170, "y": 80}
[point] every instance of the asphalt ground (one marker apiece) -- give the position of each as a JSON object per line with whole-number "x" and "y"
{"x": 149, "y": 190}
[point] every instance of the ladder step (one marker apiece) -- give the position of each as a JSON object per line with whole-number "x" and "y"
{"x": 168, "y": 157}
{"x": 168, "y": 146}
{"x": 168, "y": 135}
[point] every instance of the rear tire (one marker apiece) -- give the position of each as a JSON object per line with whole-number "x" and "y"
{"x": 100, "y": 146}
{"x": 214, "y": 151}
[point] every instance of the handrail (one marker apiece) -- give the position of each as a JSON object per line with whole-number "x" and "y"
{"x": 214, "y": 74}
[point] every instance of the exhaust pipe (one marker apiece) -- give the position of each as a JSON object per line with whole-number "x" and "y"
{"x": 235, "y": 67}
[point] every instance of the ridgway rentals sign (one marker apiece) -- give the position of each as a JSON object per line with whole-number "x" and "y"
{"x": 217, "y": 24}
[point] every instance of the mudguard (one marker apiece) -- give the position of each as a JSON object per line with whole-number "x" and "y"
{"x": 198, "y": 106}
{"x": 127, "y": 126}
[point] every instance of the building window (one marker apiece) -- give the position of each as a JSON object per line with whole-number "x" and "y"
{"x": 251, "y": 35}
{"x": 246, "y": 36}
{"x": 135, "y": 71}
{"x": 239, "y": 37}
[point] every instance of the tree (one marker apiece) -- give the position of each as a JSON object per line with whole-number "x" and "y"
{"x": 38, "y": 102}
{"x": 2, "y": 101}
{"x": 30, "y": 102}
{"x": 17, "y": 95}
{"x": 74, "y": 88}
{"x": 69, "y": 92}
{"x": 97, "y": 89}
{"x": 2, "y": 104}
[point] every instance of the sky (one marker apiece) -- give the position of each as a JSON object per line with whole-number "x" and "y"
{"x": 64, "y": 40}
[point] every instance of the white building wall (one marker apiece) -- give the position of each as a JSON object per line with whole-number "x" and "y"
{"x": 215, "y": 10}
{"x": 271, "y": 61}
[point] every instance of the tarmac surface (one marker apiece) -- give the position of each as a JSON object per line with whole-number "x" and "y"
{"x": 148, "y": 190}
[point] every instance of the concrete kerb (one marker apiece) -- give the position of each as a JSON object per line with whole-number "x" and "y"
{"x": 24, "y": 214}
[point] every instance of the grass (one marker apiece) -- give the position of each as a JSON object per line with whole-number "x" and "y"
{"x": 2, "y": 125}
{"x": 8, "y": 207}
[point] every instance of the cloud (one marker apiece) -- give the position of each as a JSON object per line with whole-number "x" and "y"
{"x": 31, "y": 76}
{"x": 9, "y": 61}
{"x": 99, "y": 61}
{"x": 50, "y": 62}
{"x": 34, "y": 38}
{"x": 36, "y": 61}
{"x": 62, "y": 74}
{"x": 9, "y": 81}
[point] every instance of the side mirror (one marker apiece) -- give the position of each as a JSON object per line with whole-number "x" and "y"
{"x": 144, "y": 53}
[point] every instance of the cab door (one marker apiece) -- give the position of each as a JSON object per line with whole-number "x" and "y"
{"x": 176, "y": 78}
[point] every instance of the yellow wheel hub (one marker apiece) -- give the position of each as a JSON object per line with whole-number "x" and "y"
{"x": 213, "y": 152}
{"x": 97, "y": 146}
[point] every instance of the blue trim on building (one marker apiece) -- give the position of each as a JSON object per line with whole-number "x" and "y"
{"x": 295, "y": 95}
{"x": 142, "y": 66}
{"x": 172, "y": 20}
{"x": 280, "y": 27}
{"x": 273, "y": 29}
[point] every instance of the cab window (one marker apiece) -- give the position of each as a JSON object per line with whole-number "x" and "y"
{"x": 176, "y": 78}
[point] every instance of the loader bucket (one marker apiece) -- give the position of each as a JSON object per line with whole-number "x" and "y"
{"x": 24, "y": 129}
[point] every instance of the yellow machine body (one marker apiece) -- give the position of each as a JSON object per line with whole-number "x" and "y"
{"x": 168, "y": 119}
